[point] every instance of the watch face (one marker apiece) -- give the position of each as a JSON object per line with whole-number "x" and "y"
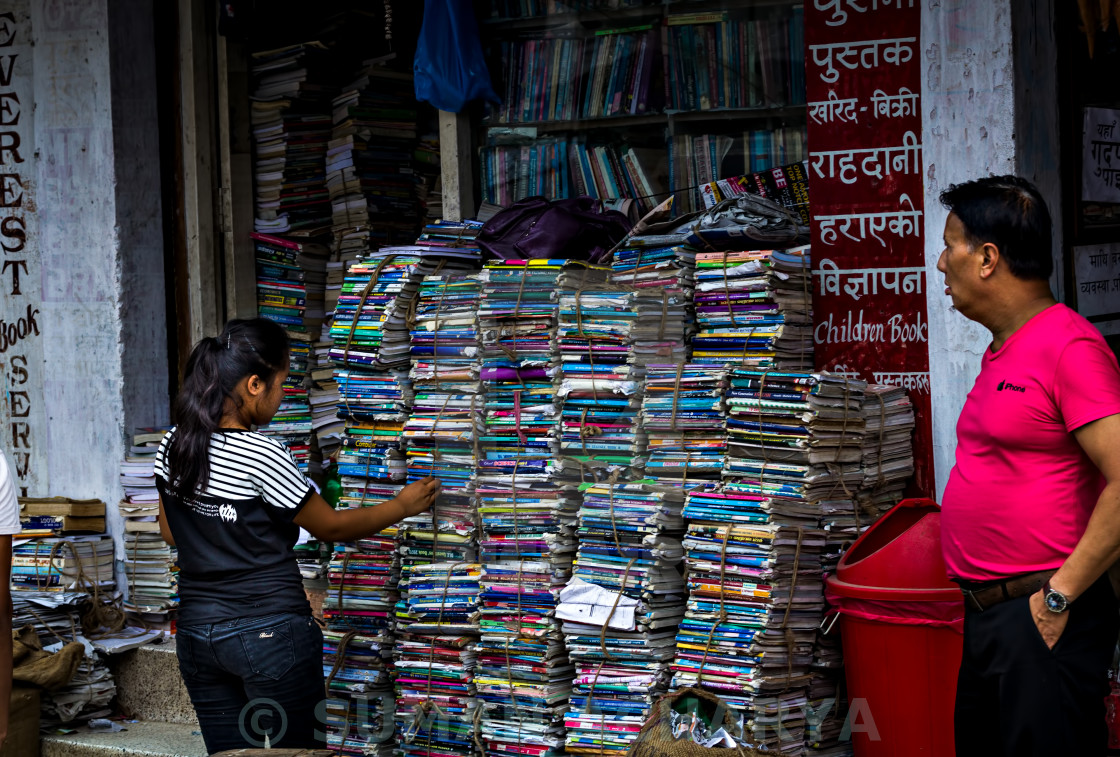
{"x": 1055, "y": 602}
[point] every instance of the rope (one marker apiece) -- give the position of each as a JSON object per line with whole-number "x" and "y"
{"x": 339, "y": 657}
{"x": 726, "y": 533}
{"x": 618, "y": 597}
{"x": 373, "y": 279}
{"x": 789, "y": 606}
{"x": 882, "y": 433}
{"x": 805, "y": 292}
{"x": 342, "y": 579}
{"x": 676, "y": 396}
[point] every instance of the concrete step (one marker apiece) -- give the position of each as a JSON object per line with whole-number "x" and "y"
{"x": 149, "y": 686}
{"x": 142, "y": 739}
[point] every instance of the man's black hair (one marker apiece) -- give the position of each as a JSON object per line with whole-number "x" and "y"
{"x": 1009, "y": 212}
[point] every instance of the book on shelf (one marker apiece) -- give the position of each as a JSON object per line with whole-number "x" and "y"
{"x": 563, "y": 167}
{"x": 696, "y": 162}
{"x": 678, "y": 62}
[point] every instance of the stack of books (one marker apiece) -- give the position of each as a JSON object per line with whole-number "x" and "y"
{"x": 359, "y": 707}
{"x": 64, "y": 564}
{"x": 524, "y": 676}
{"x": 150, "y": 567}
{"x": 435, "y": 658}
{"x": 599, "y": 384}
{"x": 754, "y": 308}
{"x": 620, "y": 612}
{"x": 823, "y": 737}
{"x": 370, "y": 161}
{"x": 358, "y": 642}
{"x": 86, "y": 696}
{"x": 527, "y": 516}
{"x": 53, "y": 615}
{"x": 452, "y": 237}
{"x": 291, "y": 125}
{"x": 323, "y": 398}
{"x": 150, "y": 564}
{"x": 666, "y": 275}
{"x": 754, "y": 546}
{"x": 685, "y": 421}
{"x": 444, "y": 428}
{"x": 291, "y": 279}
{"x": 55, "y": 516}
{"x": 370, "y": 328}
{"x": 363, "y": 576}
{"x": 888, "y": 448}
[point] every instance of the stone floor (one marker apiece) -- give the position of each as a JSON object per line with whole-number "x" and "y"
{"x": 140, "y": 740}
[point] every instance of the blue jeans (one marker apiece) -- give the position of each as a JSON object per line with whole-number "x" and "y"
{"x": 253, "y": 678}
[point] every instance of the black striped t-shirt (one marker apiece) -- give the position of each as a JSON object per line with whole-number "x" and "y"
{"x": 236, "y": 537}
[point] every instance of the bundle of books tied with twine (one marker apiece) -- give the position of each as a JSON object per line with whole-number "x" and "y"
{"x": 682, "y": 721}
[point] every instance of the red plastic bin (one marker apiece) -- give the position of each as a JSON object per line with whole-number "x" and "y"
{"x": 901, "y": 621}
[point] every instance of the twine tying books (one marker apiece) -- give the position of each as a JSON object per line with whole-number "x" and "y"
{"x": 339, "y": 657}
{"x": 618, "y": 597}
{"x": 789, "y": 606}
{"x": 726, "y": 534}
{"x": 882, "y": 433}
{"x": 676, "y": 395}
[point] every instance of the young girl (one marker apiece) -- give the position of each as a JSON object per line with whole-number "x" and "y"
{"x": 233, "y": 501}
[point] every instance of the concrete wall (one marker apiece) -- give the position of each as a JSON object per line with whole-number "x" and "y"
{"x": 92, "y": 259}
{"x": 968, "y": 131}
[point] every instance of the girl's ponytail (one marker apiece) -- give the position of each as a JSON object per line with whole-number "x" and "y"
{"x": 244, "y": 348}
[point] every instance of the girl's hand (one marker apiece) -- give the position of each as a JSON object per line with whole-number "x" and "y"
{"x": 418, "y": 496}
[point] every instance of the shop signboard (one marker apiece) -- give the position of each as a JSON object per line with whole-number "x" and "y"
{"x": 863, "y": 80}
{"x": 21, "y": 349}
{"x": 1096, "y": 271}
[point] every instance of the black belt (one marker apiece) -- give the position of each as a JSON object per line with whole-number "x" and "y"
{"x": 980, "y": 596}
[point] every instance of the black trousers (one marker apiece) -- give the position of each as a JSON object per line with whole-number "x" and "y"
{"x": 1018, "y": 698}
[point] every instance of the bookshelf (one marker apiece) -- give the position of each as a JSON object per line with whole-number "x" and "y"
{"x": 550, "y": 14}
{"x": 642, "y": 100}
{"x": 671, "y": 120}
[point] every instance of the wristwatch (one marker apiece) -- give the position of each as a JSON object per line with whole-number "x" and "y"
{"x": 1056, "y": 602}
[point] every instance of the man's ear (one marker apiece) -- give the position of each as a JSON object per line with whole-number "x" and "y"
{"x": 989, "y": 259}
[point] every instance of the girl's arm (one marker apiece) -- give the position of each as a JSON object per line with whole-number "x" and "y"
{"x": 328, "y": 524}
{"x": 164, "y": 529}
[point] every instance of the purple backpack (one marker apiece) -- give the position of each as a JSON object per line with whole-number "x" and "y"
{"x": 576, "y": 229}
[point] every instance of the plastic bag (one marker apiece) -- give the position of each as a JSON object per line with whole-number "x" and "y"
{"x": 449, "y": 69}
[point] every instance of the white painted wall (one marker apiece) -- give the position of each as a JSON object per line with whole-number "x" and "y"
{"x": 968, "y": 132}
{"x": 93, "y": 254}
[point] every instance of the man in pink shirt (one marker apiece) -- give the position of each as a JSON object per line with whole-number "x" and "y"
{"x": 1031, "y": 513}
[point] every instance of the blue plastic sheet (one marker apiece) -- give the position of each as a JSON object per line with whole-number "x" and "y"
{"x": 449, "y": 68}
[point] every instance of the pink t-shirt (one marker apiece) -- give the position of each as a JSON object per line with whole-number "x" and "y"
{"x": 1022, "y": 491}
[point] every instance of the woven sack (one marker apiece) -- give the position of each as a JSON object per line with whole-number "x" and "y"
{"x": 656, "y": 737}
